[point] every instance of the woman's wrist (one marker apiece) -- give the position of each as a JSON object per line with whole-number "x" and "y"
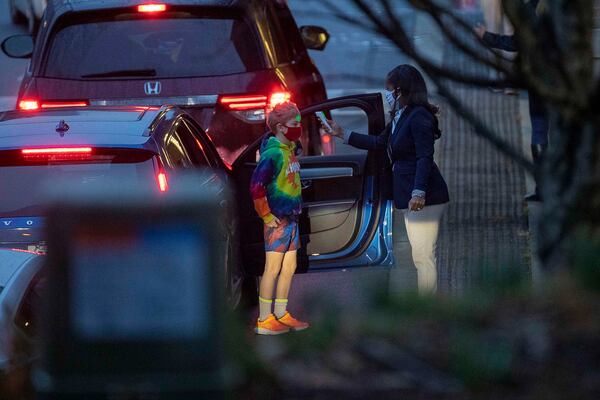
{"x": 418, "y": 193}
{"x": 346, "y": 135}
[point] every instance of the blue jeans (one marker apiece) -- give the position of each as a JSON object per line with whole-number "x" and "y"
{"x": 540, "y": 122}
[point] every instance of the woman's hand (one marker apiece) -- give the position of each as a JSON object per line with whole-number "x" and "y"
{"x": 480, "y": 30}
{"x": 416, "y": 203}
{"x": 336, "y": 130}
{"x": 274, "y": 223}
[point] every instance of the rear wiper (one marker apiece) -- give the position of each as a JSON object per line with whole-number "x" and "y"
{"x": 122, "y": 72}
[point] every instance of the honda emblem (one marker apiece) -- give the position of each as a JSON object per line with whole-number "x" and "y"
{"x": 152, "y": 88}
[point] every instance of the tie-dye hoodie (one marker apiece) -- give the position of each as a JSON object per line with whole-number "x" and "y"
{"x": 275, "y": 184}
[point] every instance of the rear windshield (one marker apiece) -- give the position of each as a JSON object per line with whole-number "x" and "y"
{"x": 25, "y": 181}
{"x": 175, "y": 45}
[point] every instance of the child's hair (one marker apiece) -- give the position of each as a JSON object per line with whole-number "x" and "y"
{"x": 280, "y": 114}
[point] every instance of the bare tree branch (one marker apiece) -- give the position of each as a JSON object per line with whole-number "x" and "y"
{"x": 402, "y": 40}
{"x": 438, "y": 12}
{"x": 481, "y": 129}
{"x": 531, "y": 41}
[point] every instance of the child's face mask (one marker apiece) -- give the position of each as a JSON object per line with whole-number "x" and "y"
{"x": 293, "y": 132}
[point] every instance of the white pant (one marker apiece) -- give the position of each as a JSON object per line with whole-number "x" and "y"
{"x": 422, "y": 228}
{"x": 495, "y": 20}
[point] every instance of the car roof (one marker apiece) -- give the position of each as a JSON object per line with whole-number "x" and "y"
{"x": 99, "y": 126}
{"x": 11, "y": 261}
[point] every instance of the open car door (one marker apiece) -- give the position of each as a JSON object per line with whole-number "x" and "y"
{"x": 346, "y": 220}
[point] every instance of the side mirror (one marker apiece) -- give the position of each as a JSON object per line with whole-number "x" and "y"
{"x": 314, "y": 37}
{"x": 18, "y": 46}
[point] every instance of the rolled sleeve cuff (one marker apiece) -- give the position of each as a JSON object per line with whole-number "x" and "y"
{"x": 488, "y": 39}
{"x": 347, "y": 135}
{"x": 418, "y": 193}
{"x": 268, "y": 218}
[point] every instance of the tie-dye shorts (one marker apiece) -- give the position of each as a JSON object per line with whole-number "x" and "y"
{"x": 284, "y": 238}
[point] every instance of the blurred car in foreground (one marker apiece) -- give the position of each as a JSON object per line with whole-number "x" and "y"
{"x": 22, "y": 277}
{"x": 232, "y": 59}
{"x": 27, "y": 11}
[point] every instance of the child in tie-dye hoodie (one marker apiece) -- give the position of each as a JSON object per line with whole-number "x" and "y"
{"x": 276, "y": 191}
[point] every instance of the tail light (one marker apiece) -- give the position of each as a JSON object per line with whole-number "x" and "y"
{"x": 57, "y": 153}
{"x": 29, "y": 105}
{"x": 161, "y": 175}
{"x": 252, "y": 108}
{"x": 243, "y": 102}
{"x": 279, "y": 98}
{"x": 161, "y": 178}
{"x": 64, "y": 104}
{"x": 152, "y": 8}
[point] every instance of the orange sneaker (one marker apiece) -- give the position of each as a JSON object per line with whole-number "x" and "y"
{"x": 270, "y": 326}
{"x": 292, "y": 322}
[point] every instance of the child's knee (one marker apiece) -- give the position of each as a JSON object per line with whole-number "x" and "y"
{"x": 288, "y": 270}
{"x": 272, "y": 270}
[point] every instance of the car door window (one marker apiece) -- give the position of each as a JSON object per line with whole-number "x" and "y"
{"x": 194, "y": 148}
{"x": 176, "y": 154}
{"x": 352, "y": 119}
{"x": 290, "y": 30}
{"x": 282, "y": 49}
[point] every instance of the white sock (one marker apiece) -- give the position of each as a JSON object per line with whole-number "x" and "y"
{"x": 264, "y": 308}
{"x": 280, "y": 307}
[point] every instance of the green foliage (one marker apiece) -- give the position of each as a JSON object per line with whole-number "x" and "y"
{"x": 501, "y": 279}
{"x": 585, "y": 254}
{"x": 478, "y": 361}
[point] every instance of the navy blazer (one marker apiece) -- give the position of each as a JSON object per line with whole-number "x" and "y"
{"x": 412, "y": 148}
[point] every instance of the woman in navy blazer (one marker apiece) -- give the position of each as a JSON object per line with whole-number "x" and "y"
{"x": 418, "y": 188}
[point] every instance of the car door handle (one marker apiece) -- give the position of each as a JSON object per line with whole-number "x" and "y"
{"x": 326, "y": 173}
{"x": 305, "y": 183}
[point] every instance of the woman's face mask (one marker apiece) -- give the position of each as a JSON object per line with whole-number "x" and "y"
{"x": 389, "y": 97}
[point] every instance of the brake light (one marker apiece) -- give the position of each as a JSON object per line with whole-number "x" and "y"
{"x": 244, "y": 102}
{"x": 29, "y": 105}
{"x": 163, "y": 184}
{"x": 57, "y": 154}
{"x": 279, "y": 98}
{"x": 161, "y": 176}
{"x": 64, "y": 104}
{"x": 57, "y": 150}
{"x": 250, "y": 102}
{"x": 152, "y": 8}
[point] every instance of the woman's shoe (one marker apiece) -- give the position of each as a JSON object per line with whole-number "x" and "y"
{"x": 293, "y": 323}
{"x": 271, "y": 326}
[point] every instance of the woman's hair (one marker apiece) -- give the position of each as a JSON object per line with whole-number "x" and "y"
{"x": 411, "y": 84}
{"x": 280, "y": 114}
